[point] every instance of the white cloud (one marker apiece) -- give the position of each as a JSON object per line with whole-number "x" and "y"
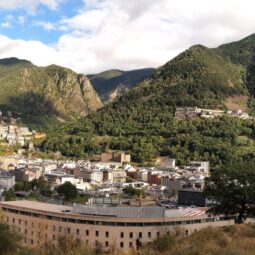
{"x": 34, "y": 51}
{"x": 29, "y": 5}
{"x": 48, "y": 26}
{"x": 6, "y": 24}
{"x": 136, "y": 33}
{"x": 21, "y": 20}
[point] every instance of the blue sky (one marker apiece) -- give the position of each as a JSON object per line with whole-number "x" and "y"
{"x": 32, "y": 25}
{"x": 89, "y": 36}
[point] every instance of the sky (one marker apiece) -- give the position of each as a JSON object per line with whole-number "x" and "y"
{"x": 90, "y": 36}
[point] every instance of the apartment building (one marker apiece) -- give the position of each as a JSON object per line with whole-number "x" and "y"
{"x": 124, "y": 227}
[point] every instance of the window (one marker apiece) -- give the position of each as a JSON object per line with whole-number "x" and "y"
{"x": 59, "y": 229}
{"x": 158, "y": 234}
{"x": 54, "y": 228}
{"x": 130, "y": 245}
{"x": 106, "y": 234}
{"x": 7, "y": 219}
{"x": 77, "y": 231}
{"x": 131, "y": 235}
{"x": 32, "y": 232}
{"x": 13, "y": 220}
{"x": 19, "y": 222}
{"x": 96, "y": 243}
{"x": 53, "y": 237}
{"x": 31, "y": 241}
{"x": 25, "y": 231}
{"x": 68, "y": 230}
{"x": 87, "y": 232}
{"x": 149, "y": 234}
{"x": 25, "y": 223}
{"x": 106, "y": 244}
{"x": 97, "y": 233}
{"x": 46, "y": 237}
{"x": 121, "y": 244}
{"x": 32, "y": 224}
{"x": 140, "y": 234}
{"x": 121, "y": 234}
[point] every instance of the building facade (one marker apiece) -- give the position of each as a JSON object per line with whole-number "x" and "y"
{"x": 124, "y": 228}
{"x": 190, "y": 197}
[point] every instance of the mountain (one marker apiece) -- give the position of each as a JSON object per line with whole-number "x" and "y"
{"x": 197, "y": 77}
{"x": 41, "y": 94}
{"x": 14, "y": 61}
{"x": 114, "y": 83}
{"x": 239, "y": 52}
{"x": 242, "y": 52}
{"x": 142, "y": 120}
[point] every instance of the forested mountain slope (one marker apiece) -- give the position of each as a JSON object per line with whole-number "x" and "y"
{"x": 112, "y": 84}
{"x": 142, "y": 121}
{"x": 41, "y": 94}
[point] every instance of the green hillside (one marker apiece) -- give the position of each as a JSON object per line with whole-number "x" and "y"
{"x": 240, "y": 52}
{"x": 114, "y": 83}
{"x": 243, "y": 52}
{"x": 197, "y": 77}
{"x": 39, "y": 95}
{"x": 142, "y": 123}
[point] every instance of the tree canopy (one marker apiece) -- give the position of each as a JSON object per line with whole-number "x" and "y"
{"x": 68, "y": 190}
{"x": 232, "y": 186}
{"x": 155, "y": 134}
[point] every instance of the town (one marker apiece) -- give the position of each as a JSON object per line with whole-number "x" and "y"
{"x": 109, "y": 176}
{"x": 127, "y": 127}
{"x": 111, "y": 188}
{"x": 13, "y": 133}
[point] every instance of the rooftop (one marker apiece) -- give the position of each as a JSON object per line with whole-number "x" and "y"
{"x": 118, "y": 211}
{"x": 47, "y": 207}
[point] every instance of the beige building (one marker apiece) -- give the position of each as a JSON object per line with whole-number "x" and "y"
{"x": 115, "y": 157}
{"x": 9, "y": 161}
{"x": 122, "y": 227}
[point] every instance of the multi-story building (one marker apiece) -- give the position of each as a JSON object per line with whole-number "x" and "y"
{"x": 124, "y": 227}
{"x": 115, "y": 157}
{"x": 27, "y": 174}
{"x": 59, "y": 178}
{"x": 94, "y": 176}
{"x": 202, "y": 166}
{"x": 7, "y": 180}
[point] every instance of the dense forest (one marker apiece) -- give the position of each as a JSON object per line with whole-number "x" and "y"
{"x": 142, "y": 121}
{"x": 218, "y": 140}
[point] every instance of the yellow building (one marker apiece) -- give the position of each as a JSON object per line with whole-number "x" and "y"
{"x": 39, "y": 136}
